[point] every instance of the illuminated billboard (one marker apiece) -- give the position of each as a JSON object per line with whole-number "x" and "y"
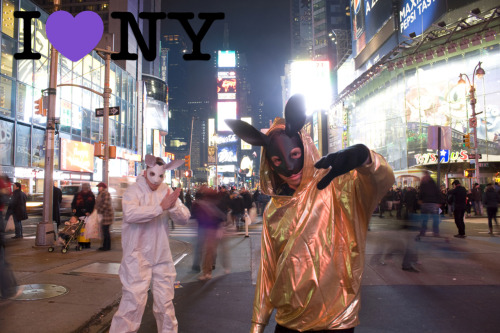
{"x": 417, "y": 17}
{"x": 226, "y": 75}
{"x": 227, "y": 154}
{"x": 77, "y": 156}
{"x": 225, "y": 110}
{"x": 226, "y": 59}
{"x": 312, "y": 79}
{"x": 244, "y": 145}
{"x": 226, "y": 88}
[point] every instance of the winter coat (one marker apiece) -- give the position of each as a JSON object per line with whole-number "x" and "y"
{"x": 83, "y": 203}
{"x": 17, "y": 206}
{"x": 490, "y": 197}
{"x": 104, "y": 207}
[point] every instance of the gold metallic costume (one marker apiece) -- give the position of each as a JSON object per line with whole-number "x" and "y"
{"x": 313, "y": 244}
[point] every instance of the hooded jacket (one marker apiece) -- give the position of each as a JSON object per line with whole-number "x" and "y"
{"x": 313, "y": 244}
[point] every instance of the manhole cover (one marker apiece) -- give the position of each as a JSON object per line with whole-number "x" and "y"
{"x": 31, "y": 292}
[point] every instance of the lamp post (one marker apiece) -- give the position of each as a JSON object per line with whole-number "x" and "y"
{"x": 479, "y": 72}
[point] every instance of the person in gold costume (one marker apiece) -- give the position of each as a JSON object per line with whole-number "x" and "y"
{"x": 314, "y": 228}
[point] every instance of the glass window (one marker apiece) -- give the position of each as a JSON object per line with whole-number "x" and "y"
{"x": 112, "y": 132}
{"x": 117, "y": 88}
{"x": 25, "y": 71}
{"x": 41, "y": 73}
{"x": 125, "y": 82}
{"x": 96, "y": 126}
{"x": 6, "y": 142}
{"x": 23, "y": 151}
{"x": 122, "y": 135}
{"x": 77, "y": 91}
{"x": 28, "y": 6}
{"x": 6, "y": 98}
{"x": 76, "y": 120}
{"x": 98, "y": 66}
{"x": 86, "y": 123}
{"x": 25, "y": 102}
{"x": 38, "y": 141}
{"x": 131, "y": 89}
{"x": 112, "y": 78}
{"x": 87, "y": 67}
{"x": 41, "y": 41}
{"x": 87, "y": 95}
{"x": 7, "y": 60}
{"x": 65, "y": 116}
{"x": 8, "y": 20}
{"x": 123, "y": 112}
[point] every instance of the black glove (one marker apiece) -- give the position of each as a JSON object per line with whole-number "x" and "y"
{"x": 341, "y": 162}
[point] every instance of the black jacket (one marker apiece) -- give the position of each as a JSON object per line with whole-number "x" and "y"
{"x": 490, "y": 197}
{"x": 458, "y": 196}
{"x": 17, "y": 206}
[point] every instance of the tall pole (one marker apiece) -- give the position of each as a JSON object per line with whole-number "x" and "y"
{"x": 45, "y": 234}
{"x": 439, "y": 159}
{"x": 216, "y": 164}
{"x": 473, "y": 105}
{"x": 107, "y": 95}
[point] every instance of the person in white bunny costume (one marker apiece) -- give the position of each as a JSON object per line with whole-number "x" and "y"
{"x": 147, "y": 260}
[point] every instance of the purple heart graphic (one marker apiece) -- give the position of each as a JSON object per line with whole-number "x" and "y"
{"x": 74, "y": 37}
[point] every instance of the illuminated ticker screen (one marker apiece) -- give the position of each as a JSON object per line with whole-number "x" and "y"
{"x": 226, "y": 59}
{"x": 225, "y": 110}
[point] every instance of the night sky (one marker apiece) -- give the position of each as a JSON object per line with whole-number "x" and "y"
{"x": 258, "y": 28}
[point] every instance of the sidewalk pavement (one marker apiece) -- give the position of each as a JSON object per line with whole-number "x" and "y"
{"x": 457, "y": 289}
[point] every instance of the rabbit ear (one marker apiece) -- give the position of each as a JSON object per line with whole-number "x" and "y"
{"x": 247, "y": 132}
{"x": 173, "y": 165}
{"x": 150, "y": 160}
{"x": 295, "y": 114}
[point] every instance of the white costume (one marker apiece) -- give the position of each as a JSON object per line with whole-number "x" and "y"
{"x": 147, "y": 259}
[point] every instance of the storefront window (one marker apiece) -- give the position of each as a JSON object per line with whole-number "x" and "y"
{"x": 38, "y": 148}
{"x": 23, "y": 151}
{"x": 7, "y": 59}
{"x": 25, "y": 103}
{"x": 6, "y": 142}
{"x": 6, "y": 98}
{"x": 8, "y": 20}
{"x": 25, "y": 71}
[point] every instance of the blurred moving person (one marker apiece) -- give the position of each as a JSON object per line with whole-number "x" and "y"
{"x": 56, "y": 205}
{"x": 147, "y": 260}
{"x": 490, "y": 201}
{"x": 429, "y": 204}
{"x": 82, "y": 206}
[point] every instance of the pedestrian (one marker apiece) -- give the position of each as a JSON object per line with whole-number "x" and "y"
{"x": 468, "y": 203}
{"x": 5, "y": 194}
{"x": 105, "y": 210}
{"x": 82, "y": 206}
{"x": 458, "y": 195}
{"x": 310, "y": 271}
{"x": 188, "y": 199}
{"x": 17, "y": 209}
{"x": 236, "y": 204}
{"x": 491, "y": 200}
{"x": 147, "y": 261}
{"x": 478, "y": 199}
{"x": 56, "y": 205}
{"x": 209, "y": 218}
{"x": 429, "y": 204}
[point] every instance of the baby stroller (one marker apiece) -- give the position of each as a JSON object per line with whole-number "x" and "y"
{"x": 68, "y": 234}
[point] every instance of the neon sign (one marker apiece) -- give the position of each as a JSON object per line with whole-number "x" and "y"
{"x": 446, "y": 157}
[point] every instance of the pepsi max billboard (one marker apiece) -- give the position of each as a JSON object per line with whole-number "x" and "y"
{"x": 418, "y": 15}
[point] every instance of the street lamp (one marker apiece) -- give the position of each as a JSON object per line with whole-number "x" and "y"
{"x": 479, "y": 72}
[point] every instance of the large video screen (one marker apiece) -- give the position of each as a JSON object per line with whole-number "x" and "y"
{"x": 225, "y": 110}
{"x": 228, "y": 153}
{"x": 226, "y": 59}
{"x": 312, "y": 79}
{"x": 226, "y": 88}
{"x": 77, "y": 156}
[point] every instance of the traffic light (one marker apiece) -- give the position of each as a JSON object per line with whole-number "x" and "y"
{"x": 466, "y": 139}
{"x": 39, "y": 106}
{"x": 187, "y": 161}
{"x": 469, "y": 173}
{"x": 187, "y": 173}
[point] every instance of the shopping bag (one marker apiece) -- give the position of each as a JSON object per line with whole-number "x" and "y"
{"x": 92, "y": 226}
{"x": 10, "y": 224}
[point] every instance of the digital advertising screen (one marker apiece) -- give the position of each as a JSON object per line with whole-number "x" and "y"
{"x": 226, "y": 59}
{"x": 77, "y": 156}
{"x": 244, "y": 145}
{"x": 227, "y": 154}
{"x": 225, "y": 110}
{"x": 416, "y": 17}
{"x": 226, "y": 88}
{"x": 312, "y": 79}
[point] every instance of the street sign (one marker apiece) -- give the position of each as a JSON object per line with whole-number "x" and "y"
{"x": 113, "y": 111}
{"x": 473, "y": 122}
